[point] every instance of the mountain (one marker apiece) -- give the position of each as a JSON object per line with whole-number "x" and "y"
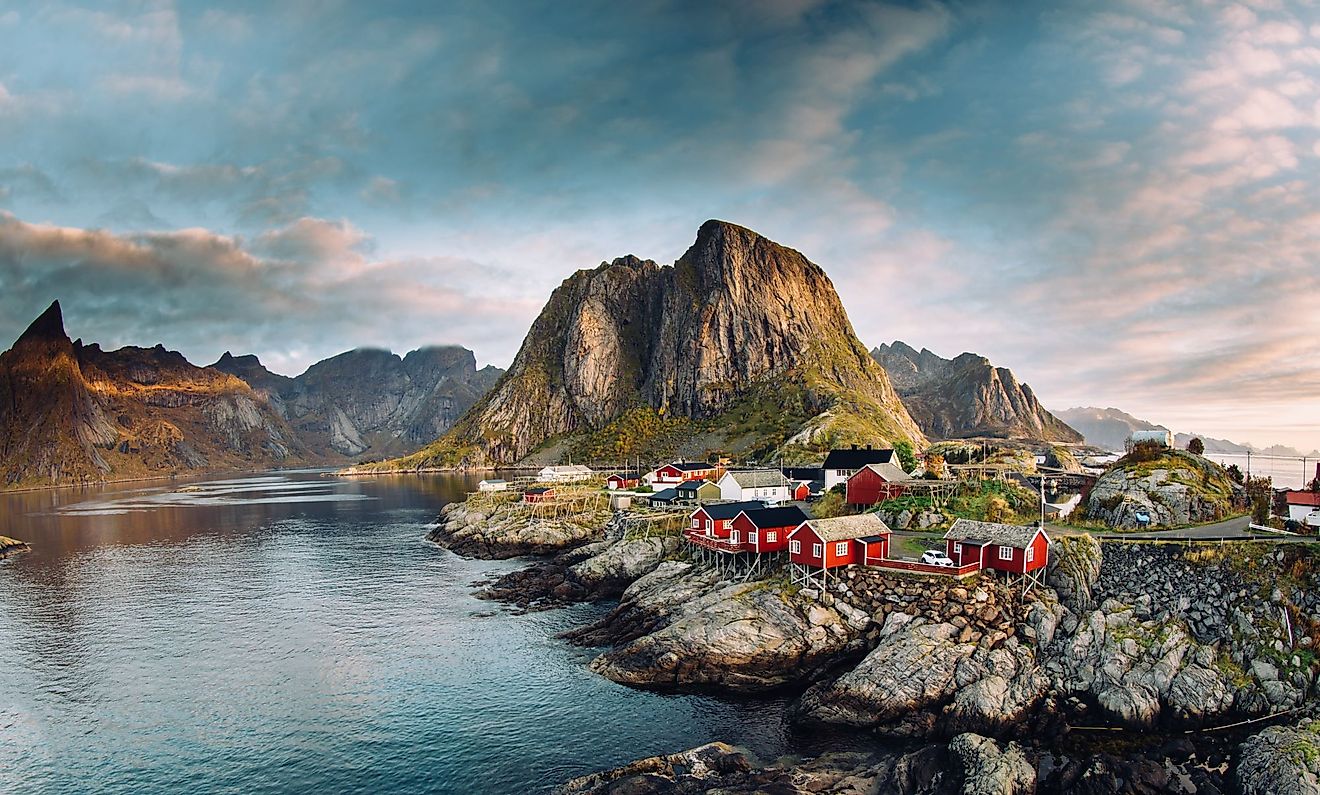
{"x": 1212, "y": 445}
{"x": 741, "y": 345}
{"x": 1110, "y": 428}
{"x": 73, "y": 413}
{"x": 370, "y": 400}
{"x": 968, "y": 397}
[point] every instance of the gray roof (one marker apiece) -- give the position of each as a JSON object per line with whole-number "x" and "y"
{"x": 845, "y": 528}
{"x": 1004, "y": 535}
{"x": 758, "y": 478}
{"x": 891, "y": 472}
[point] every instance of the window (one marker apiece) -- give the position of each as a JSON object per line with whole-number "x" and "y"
{"x": 817, "y": 550}
{"x": 1031, "y": 554}
{"x": 957, "y": 548}
{"x": 795, "y": 547}
{"x": 1005, "y": 553}
{"x": 771, "y": 536}
{"x": 696, "y": 523}
{"x": 751, "y": 536}
{"x": 841, "y": 548}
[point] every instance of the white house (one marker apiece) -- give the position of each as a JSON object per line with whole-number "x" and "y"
{"x": 564, "y": 473}
{"x": 493, "y": 485}
{"x": 1302, "y": 504}
{"x": 843, "y": 464}
{"x": 766, "y": 485}
{"x": 1160, "y": 437}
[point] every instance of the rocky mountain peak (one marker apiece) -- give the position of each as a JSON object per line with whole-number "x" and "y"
{"x": 49, "y": 326}
{"x": 735, "y": 314}
{"x": 968, "y": 396}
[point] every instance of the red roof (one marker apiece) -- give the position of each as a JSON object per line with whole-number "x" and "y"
{"x": 1304, "y": 498}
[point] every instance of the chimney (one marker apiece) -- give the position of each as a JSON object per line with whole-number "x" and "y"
{"x": 854, "y": 447}
{"x": 868, "y": 447}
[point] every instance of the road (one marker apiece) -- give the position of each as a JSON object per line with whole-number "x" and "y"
{"x": 1237, "y": 527}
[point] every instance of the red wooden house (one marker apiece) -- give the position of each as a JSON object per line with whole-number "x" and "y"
{"x": 765, "y": 530}
{"x": 801, "y": 490}
{"x": 716, "y": 519}
{"x": 617, "y": 481}
{"x": 1012, "y": 548}
{"x": 817, "y": 546}
{"x": 540, "y": 494}
{"x": 679, "y": 471}
{"x": 875, "y": 483}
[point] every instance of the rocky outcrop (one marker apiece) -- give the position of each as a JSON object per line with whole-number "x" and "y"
{"x": 600, "y": 570}
{"x": 968, "y": 765}
{"x": 1172, "y": 488}
{"x": 369, "y": 401}
{"x": 739, "y": 325}
{"x": 12, "y": 546}
{"x": 73, "y": 413}
{"x": 684, "y": 626}
{"x": 968, "y": 397}
{"x": 513, "y": 529}
{"x": 1143, "y": 637}
{"x": 1281, "y": 760}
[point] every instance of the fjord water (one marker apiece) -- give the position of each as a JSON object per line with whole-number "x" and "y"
{"x": 293, "y": 632}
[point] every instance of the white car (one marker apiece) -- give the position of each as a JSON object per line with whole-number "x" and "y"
{"x": 934, "y": 557}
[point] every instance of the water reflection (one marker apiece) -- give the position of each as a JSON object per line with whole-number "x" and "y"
{"x": 292, "y": 631}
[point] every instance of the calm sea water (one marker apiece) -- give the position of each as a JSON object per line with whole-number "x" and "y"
{"x": 293, "y": 632}
{"x": 1286, "y": 473}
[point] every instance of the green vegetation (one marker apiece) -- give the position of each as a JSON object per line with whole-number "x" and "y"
{"x": 986, "y": 501}
{"x": 638, "y": 431}
{"x": 830, "y": 505}
{"x": 907, "y": 457}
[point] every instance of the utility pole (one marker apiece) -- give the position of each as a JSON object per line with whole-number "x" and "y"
{"x": 1042, "y": 500}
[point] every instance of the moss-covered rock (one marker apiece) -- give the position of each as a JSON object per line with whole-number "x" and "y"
{"x": 1172, "y": 487}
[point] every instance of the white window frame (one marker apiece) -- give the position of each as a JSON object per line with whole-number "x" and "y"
{"x": 696, "y": 523}
{"x": 795, "y": 546}
{"x": 1005, "y": 553}
{"x": 841, "y": 548}
{"x": 771, "y": 536}
{"x": 818, "y": 550}
{"x": 751, "y": 536}
{"x": 957, "y": 547}
{"x": 1031, "y": 554}
{"x": 708, "y": 525}
{"x": 733, "y": 537}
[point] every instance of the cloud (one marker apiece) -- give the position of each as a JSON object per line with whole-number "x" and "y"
{"x": 294, "y": 295}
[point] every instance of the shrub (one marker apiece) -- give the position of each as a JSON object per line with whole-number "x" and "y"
{"x": 1196, "y": 446}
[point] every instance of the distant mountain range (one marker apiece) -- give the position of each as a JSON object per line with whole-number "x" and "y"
{"x": 742, "y": 345}
{"x": 968, "y": 397}
{"x": 1110, "y": 428}
{"x": 73, "y": 413}
{"x": 369, "y": 400}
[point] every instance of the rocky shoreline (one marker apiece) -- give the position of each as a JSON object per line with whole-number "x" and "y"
{"x": 1126, "y": 638}
{"x": 12, "y": 546}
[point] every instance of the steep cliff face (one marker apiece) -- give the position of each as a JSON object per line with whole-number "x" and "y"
{"x": 738, "y": 326}
{"x": 967, "y": 396}
{"x": 371, "y": 401}
{"x": 71, "y": 413}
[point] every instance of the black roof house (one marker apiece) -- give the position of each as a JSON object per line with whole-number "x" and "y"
{"x": 857, "y": 457}
{"x": 776, "y": 517}
{"x": 728, "y": 510}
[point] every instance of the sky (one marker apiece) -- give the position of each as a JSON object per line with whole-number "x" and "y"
{"x": 1119, "y": 201}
